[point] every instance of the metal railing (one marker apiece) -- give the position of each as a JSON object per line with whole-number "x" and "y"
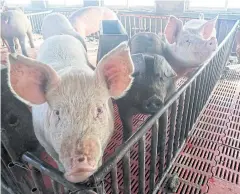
{"x": 177, "y": 118}
{"x": 37, "y": 19}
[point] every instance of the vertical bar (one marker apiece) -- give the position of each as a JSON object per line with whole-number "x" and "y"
{"x": 154, "y": 144}
{"x": 141, "y": 164}
{"x": 171, "y": 133}
{"x": 114, "y": 180}
{"x": 6, "y": 188}
{"x": 194, "y": 113}
{"x": 189, "y": 119}
{"x": 150, "y": 24}
{"x": 199, "y": 104}
{"x": 178, "y": 125}
{"x": 145, "y": 24}
{"x": 134, "y": 23}
{"x": 125, "y": 22}
{"x": 126, "y": 165}
{"x": 38, "y": 180}
{"x": 130, "y": 26}
{"x": 163, "y": 120}
{"x": 55, "y": 186}
{"x": 126, "y": 174}
{"x": 155, "y": 23}
{"x": 161, "y": 26}
{"x": 184, "y": 116}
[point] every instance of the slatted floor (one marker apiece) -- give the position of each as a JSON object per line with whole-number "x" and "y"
{"x": 210, "y": 159}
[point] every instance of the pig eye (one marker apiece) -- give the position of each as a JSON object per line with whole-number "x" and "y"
{"x": 187, "y": 41}
{"x": 99, "y": 110}
{"x": 56, "y": 112}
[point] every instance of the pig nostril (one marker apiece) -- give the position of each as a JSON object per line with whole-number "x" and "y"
{"x": 210, "y": 43}
{"x": 81, "y": 159}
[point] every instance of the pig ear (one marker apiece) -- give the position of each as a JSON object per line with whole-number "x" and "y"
{"x": 29, "y": 80}
{"x": 207, "y": 29}
{"x": 116, "y": 68}
{"x": 172, "y": 29}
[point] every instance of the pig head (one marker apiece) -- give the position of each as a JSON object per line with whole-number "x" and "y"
{"x": 191, "y": 44}
{"x": 153, "y": 84}
{"x": 72, "y": 108}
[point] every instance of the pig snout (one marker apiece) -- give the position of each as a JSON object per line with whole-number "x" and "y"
{"x": 83, "y": 168}
{"x": 84, "y": 161}
{"x": 212, "y": 44}
{"x": 152, "y": 104}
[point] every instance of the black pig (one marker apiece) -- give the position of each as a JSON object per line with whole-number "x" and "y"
{"x": 154, "y": 83}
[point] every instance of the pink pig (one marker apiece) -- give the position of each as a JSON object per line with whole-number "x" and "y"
{"x": 71, "y": 104}
{"x": 86, "y": 21}
{"x": 191, "y": 44}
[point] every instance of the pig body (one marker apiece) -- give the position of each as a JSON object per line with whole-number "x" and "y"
{"x": 72, "y": 109}
{"x": 86, "y": 21}
{"x": 57, "y": 24}
{"x": 15, "y": 24}
{"x": 191, "y": 44}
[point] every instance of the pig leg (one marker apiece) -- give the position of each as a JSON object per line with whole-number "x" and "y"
{"x": 16, "y": 43}
{"x": 126, "y": 118}
{"x": 11, "y": 45}
{"x": 23, "y": 46}
{"x": 30, "y": 37}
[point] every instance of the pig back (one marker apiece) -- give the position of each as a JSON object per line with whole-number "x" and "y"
{"x": 146, "y": 42}
{"x": 63, "y": 51}
{"x": 55, "y": 24}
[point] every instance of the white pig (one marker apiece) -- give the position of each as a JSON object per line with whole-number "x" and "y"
{"x": 191, "y": 44}
{"x": 71, "y": 104}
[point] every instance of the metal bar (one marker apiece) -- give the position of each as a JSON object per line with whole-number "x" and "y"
{"x": 189, "y": 119}
{"x": 134, "y": 23}
{"x": 124, "y": 148}
{"x": 185, "y": 115}
{"x": 178, "y": 125}
{"x": 114, "y": 180}
{"x": 55, "y": 186}
{"x": 153, "y": 163}
{"x": 126, "y": 174}
{"x": 141, "y": 165}
{"x": 10, "y": 182}
{"x": 50, "y": 171}
{"x": 150, "y": 24}
{"x": 130, "y": 26}
{"x": 196, "y": 100}
{"x": 6, "y": 188}
{"x": 7, "y": 146}
{"x": 171, "y": 133}
{"x": 163, "y": 121}
{"x": 38, "y": 181}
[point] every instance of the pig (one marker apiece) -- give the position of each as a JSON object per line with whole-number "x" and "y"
{"x": 57, "y": 24}
{"x": 15, "y": 24}
{"x": 86, "y": 21}
{"x": 191, "y": 44}
{"x": 72, "y": 109}
{"x": 154, "y": 83}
